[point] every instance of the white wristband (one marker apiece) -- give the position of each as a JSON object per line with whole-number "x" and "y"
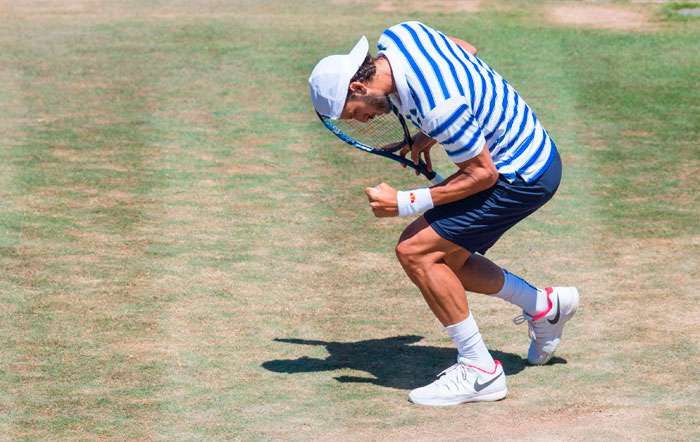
{"x": 414, "y": 201}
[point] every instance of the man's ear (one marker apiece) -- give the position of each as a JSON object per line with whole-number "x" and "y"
{"x": 357, "y": 88}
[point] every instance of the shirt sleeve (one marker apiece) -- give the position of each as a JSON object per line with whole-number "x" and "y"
{"x": 453, "y": 124}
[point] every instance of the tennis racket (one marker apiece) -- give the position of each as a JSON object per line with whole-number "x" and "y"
{"x": 383, "y": 135}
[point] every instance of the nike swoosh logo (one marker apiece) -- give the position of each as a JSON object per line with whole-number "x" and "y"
{"x": 556, "y": 318}
{"x": 478, "y": 387}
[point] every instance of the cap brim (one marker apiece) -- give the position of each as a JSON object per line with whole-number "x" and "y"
{"x": 359, "y": 52}
{"x": 355, "y": 58}
{"x": 331, "y": 77}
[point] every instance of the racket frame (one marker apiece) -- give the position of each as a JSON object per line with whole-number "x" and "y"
{"x": 421, "y": 167}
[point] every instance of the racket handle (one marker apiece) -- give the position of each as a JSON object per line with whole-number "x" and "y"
{"x": 437, "y": 179}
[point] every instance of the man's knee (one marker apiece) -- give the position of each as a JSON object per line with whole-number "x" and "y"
{"x": 420, "y": 247}
{"x": 416, "y": 256}
{"x": 406, "y": 254}
{"x": 409, "y": 250}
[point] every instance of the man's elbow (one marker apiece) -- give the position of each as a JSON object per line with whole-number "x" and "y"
{"x": 484, "y": 178}
{"x": 493, "y": 176}
{"x": 466, "y": 46}
{"x": 490, "y": 177}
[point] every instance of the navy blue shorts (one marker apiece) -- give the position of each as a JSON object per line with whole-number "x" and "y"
{"x": 478, "y": 221}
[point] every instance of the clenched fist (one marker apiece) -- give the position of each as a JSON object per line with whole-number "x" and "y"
{"x": 382, "y": 200}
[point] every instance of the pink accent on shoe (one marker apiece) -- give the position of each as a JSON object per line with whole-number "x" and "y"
{"x": 497, "y": 363}
{"x": 549, "y": 291}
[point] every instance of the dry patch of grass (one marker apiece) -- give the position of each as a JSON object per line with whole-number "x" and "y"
{"x": 602, "y": 16}
{"x": 451, "y": 6}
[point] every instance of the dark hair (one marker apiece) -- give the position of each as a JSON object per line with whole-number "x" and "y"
{"x": 366, "y": 71}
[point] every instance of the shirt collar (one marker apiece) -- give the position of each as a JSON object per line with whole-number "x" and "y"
{"x": 398, "y": 71}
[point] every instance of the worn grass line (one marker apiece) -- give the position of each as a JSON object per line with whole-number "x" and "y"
{"x": 240, "y": 245}
{"x": 84, "y": 316}
{"x": 150, "y": 194}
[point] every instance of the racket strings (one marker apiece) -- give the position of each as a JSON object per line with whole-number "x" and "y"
{"x": 378, "y": 132}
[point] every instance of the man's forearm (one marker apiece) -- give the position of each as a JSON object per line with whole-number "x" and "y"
{"x": 474, "y": 175}
{"x": 462, "y": 184}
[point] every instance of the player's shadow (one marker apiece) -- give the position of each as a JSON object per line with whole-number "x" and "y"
{"x": 390, "y": 362}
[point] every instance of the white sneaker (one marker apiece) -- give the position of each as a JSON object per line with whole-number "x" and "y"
{"x": 462, "y": 383}
{"x": 546, "y": 328}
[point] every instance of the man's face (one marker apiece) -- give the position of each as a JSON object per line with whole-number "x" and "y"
{"x": 365, "y": 107}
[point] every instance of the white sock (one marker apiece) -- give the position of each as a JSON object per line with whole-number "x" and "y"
{"x": 471, "y": 347}
{"x": 517, "y": 291}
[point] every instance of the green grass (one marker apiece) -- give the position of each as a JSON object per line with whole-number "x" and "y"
{"x": 672, "y": 9}
{"x": 188, "y": 255}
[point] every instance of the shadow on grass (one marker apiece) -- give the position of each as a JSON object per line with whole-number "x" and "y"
{"x": 393, "y": 362}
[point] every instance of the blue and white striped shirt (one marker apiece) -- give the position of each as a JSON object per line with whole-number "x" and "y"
{"x": 457, "y": 99}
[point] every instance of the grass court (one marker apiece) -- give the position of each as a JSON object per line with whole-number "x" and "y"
{"x": 187, "y": 254}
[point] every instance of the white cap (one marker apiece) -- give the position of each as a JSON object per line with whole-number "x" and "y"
{"x": 330, "y": 79}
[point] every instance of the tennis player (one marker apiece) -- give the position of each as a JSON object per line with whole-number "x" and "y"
{"x": 508, "y": 168}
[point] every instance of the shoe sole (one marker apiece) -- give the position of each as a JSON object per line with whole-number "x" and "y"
{"x": 486, "y": 397}
{"x": 563, "y": 320}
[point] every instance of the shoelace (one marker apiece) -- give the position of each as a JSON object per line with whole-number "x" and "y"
{"x": 445, "y": 379}
{"x": 530, "y": 325}
{"x": 449, "y": 369}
